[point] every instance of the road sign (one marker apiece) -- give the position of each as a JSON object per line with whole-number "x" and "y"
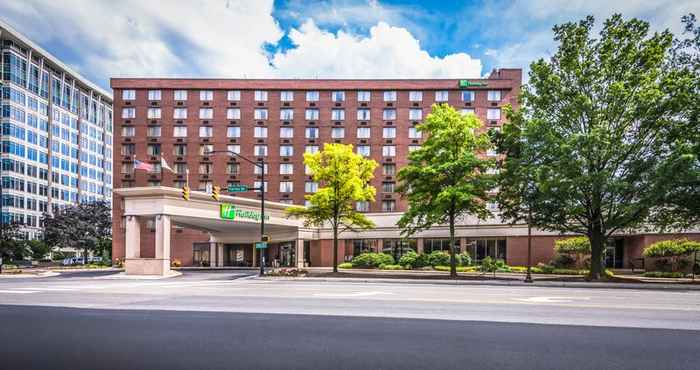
{"x": 237, "y": 188}
{"x": 260, "y": 245}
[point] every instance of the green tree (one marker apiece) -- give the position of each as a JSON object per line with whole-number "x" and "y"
{"x": 39, "y": 249}
{"x": 84, "y": 226}
{"x": 12, "y": 244}
{"x": 344, "y": 179}
{"x": 446, "y": 178}
{"x": 596, "y": 115}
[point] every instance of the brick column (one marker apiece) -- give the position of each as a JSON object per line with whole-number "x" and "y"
{"x": 163, "y": 237}
{"x": 299, "y": 253}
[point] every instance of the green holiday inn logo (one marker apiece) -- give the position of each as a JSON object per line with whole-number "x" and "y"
{"x": 467, "y": 83}
{"x": 231, "y": 212}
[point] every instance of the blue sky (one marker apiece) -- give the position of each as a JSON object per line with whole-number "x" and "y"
{"x": 308, "y": 39}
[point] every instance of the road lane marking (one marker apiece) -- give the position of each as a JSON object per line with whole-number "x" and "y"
{"x": 19, "y": 291}
{"x": 347, "y": 295}
{"x": 551, "y": 299}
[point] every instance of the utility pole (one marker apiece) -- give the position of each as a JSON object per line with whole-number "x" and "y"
{"x": 262, "y": 217}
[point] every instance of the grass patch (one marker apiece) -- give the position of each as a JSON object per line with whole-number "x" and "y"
{"x": 663, "y": 274}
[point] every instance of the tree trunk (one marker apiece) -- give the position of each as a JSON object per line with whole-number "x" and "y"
{"x": 453, "y": 259}
{"x": 597, "y": 243}
{"x": 0, "y": 263}
{"x": 335, "y": 248}
{"x": 85, "y": 256}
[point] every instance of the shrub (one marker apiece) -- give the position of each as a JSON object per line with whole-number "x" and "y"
{"x": 545, "y": 268}
{"x": 176, "y": 263}
{"x": 345, "y": 265}
{"x": 563, "y": 261}
{"x": 663, "y": 274}
{"x": 459, "y": 268}
{"x": 391, "y": 267}
{"x": 422, "y": 260}
{"x": 575, "y": 245}
{"x": 464, "y": 259}
{"x": 372, "y": 260}
{"x": 439, "y": 258}
{"x": 671, "y": 248}
{"x": 409, "y": 259}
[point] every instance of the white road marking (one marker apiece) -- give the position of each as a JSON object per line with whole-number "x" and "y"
{"x": 49, "y": 289}
{"x": 19, "y": 291}
{"x": 346, "y": 295}
{"x": 551, "y": 299}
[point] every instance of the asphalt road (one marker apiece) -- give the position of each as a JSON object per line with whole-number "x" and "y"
{"x": 227, "y": 320}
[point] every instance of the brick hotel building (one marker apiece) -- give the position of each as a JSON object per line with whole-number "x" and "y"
{"x": 180, "y": 120}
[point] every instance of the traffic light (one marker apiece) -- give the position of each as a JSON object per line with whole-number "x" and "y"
{"x": 216, "y": 192}
{"x": 186, "y": 193}
{"x": 266, "y": 238}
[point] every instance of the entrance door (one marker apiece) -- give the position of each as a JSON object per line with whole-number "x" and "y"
{"x": 237, "y": 255}
{"x": 614, "y": 253}
{"x": 287, "y": 255}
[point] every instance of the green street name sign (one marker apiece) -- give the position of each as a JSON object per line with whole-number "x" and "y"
{"x": 260, "y": 245}
{"x": 237, "y": 188}
{"x": 467, "y": 83}
{"x": 231, "y": 212}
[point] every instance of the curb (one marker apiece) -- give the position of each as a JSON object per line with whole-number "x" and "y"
{"x": 539, "y": 284}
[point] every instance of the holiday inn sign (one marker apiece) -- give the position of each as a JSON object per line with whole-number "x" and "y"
{"x": 467, "y": 83}
{"x": 231, "y": 212}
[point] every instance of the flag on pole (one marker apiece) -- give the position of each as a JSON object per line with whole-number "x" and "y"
{"x": 164, "y": 165}
{"x": 138, "y": 165}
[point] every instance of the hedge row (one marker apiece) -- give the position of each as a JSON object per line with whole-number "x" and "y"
{"x": 671, "y": 248}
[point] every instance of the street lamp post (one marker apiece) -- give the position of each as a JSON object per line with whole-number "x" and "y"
{"x": 261, "y": 165}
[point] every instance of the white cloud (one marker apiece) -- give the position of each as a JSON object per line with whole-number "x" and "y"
{"x": 390, "y": 52}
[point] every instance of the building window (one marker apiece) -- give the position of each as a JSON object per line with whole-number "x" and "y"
{"x": 389, "y": 114}
{"x": 389, "y": 132}
{"x": 286, "y": 187}
{"x": 206, "y": 131}
{"x": 233, "y": 132}
{"x": 180, "y": 131}
{"x": 260, "y": 95}
{"x": 260, "y": 132}
{"x": 286, "y": 132}
{"x": 310, "y": 187}
{"x": 312, "y": 149}
{"x": 389, "y": 151}
{"x": 233, "y": 113}
{"x": 153, "y": 113}
{"x": 287, "y": 96}
{"x": 363, "y": 132}
{"x": 363, "y": 96}
{"x": 467, "y": 96}
{"x": 414, "y": 133}
{"x": 206, "y": 95}
{"x": 286, "y": 114}
{"x": 180, "y": 95}
{"x": 153, "y": 131}
{"x": 205, "y": 186}
{"x": 363, "y": 114}
{"x": 206, "y": 168}
{"x": 389, "y": 169}
{"x": 260, "y": 150}
{"x": 468, "y": 111}
{"x": 312, "y": 96}
{"x": 388, "y": 205}
{"x": 337, "y": 133}
{"x": 128, "y": 149}
{"x": 494, "y": 95}
{"x": 311, "y": 114}
{"x": 493, "y": 114}
{"x": 256, "y": 169}
{"x": 398, "y": 247}
{"x": 261, "y": 114}
{"x": 286, "y": 150}
{"x": 415, "y": 114}
{"x": 234, "y": 148}
{"x": 258, "y": 184}
{"x": 129, "y": 95}
{"x": 312, "y": 132}
{"x": 153, "y": 94}
{"x": 128, "y": 112}
{"x": 338, "y": 114}
{"x": 362, "y": 206}
{"x": 389, "y": 96}
{"x": 286, "y": 169}
{"x": 482, "y": 248}
{"x": 338, "y": 96}
{"x": 432, "y": 245}
{"x": 206, "y": 113}
{"x": 442, "y": 96}
{"x": 206, "y": 149}
{"x": 128, "y": 131}
{"x": 415, "y": 96}
{"x": 363, "y": 150}
{"x": 233, "y": 95}
{"x": 180, "y": 168}
{"x": 233, "y": 168}
{"x": 180, "y": 113}
{"x": 180, "y": 150}
{"x": 388, "y": 187}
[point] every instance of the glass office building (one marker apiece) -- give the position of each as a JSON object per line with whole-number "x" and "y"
{"x": 56, "y": 134}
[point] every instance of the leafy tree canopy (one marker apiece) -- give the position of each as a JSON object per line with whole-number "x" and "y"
{"x": 84, "y": 226}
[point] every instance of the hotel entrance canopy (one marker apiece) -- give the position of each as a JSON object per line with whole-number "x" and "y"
{"x": 228, "y": 220}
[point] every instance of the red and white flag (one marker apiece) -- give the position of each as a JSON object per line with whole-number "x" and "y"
{"x": 138, "y": 165}
{"x": 164, "y": 165}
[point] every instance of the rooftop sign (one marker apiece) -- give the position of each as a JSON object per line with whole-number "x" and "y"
{"x": 231, "y": 212}
{"x": 467, "y": 83}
